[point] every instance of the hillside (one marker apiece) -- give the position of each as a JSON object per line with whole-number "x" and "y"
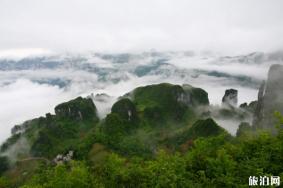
{"x": 270, "y": 98}
{"x": 160, "y": 135}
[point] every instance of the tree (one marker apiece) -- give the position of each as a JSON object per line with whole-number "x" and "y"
{"x": 72, "y": 175}
{"x": 4, "y": 164}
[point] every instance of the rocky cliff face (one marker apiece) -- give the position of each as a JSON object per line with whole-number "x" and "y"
{"x": 126, "y": 109}
{"x": 197, "y": 96}
{"x": 251, "y": 107}
{"x": 230, "y": 98}
{"x": 258, "y": 114}
{"x": 77, "y": 109}
{"x": 167, "y": 100}
{"x": 270, "y": 98}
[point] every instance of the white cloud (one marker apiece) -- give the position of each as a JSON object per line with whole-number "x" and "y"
{"x": 32, "y": 28}
{"x": 110, "y": 25}
{"x": 21, "y": 98}
{"x": 24, "y": 100}
{"x": 18, "y": 53}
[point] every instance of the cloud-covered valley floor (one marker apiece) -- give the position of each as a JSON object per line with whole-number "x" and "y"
{"x": 33, "y": 86}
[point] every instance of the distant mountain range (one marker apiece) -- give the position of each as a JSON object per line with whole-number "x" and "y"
{"x": 119, "y": 67}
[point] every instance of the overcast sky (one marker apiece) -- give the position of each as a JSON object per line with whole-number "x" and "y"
{"x": 232, "y": 26}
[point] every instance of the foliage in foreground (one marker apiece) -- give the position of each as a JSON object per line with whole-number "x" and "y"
{"x": 211, "y": 162}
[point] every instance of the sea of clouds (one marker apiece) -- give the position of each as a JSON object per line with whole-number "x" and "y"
{"x": 29, "y": 91}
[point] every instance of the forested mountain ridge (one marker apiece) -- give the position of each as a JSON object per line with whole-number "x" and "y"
{"x": 160, "y": 135}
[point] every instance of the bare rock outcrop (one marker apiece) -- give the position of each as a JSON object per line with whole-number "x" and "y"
{"x": 270, "y": 99}
{"x": 230, "y": 98}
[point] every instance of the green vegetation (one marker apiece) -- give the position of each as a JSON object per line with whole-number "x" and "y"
{"x": 4, "y": 164}
{"x": 210, "y": 162}
{"x": 198, "y": 95}
{"x": 58, "y": 133}
{"x": 77, "y": 109}
{"x": 162, "y": 99}
{"x": 165, "y": 103}
{"x": 126, "y": 109}
{"x": 10, "y": 141}
{"x": 154, "y": 136}
{"x": 201, "y": 128}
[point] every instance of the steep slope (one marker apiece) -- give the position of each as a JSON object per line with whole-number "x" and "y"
{"x": 136, "y": 124}
{"x": 141, "y": 120}
{"x": 165, "y": 102}
{"x": 53, "y": 134}
{"x": 270, "y": 98}
{"x": 201, "y": 128}
{"x": 77, "y": 109}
